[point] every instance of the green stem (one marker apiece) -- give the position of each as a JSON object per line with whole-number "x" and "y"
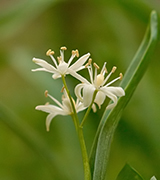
{"x": 89, "y": 108}
{"x": 86, "y": 166}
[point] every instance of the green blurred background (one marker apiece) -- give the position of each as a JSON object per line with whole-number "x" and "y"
{"x": 111, "y": 31}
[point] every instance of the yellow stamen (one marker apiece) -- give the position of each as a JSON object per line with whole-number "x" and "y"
{"x": 63, "y": 97}
{"x": 77, "y": 53}
{"x": 59, "y": 59}
{"x": 114, "y": 69}
{"x": 47, "y": 103}
{"x": 49, "y": 52}
{"x": 95, "y": 65}
{"x": 86, "y": 65}
{"x": 63, "y": 48}
{"x": 106, "y": 70}
{"x": 120, "y": 76}
{"x": 89, "y": 62}
{"x": 46, "y": 93}
{"x": 62, "y": 89}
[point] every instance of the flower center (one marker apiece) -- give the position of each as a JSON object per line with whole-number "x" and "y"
{"x": 62, "y": 67}
{"x": 67, "y": 104}
{"x": 99, "y": 80}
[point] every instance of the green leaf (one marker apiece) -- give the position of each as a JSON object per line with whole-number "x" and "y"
{"x": 18, "y": 15}
{"x": 153, "y": 178}
{"x": 33, "y": 140}
{"x": 102, "y": 142}
{"x": 128, "y": 173}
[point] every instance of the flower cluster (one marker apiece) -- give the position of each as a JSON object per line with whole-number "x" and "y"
{"x": 88, "y": 93}
{"x": 64, "y": 109}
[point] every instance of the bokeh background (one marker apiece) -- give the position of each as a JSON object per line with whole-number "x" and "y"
{"x": 111, "y": 31}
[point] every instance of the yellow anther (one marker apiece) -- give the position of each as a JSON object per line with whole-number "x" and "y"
{"x": 46, "y": 93}
{"x": 89, "y": 61}
{"x": 63, "y": 48}
{"x": 49, "y": 52}
{"x": 77, "y": 53}
{"x": 114, "y": 69}
{"x": 106, "y": 70}
{"x": 86, "y": 65}
{"x": 47, "y": 103}
{"x": 120, "y": 76}
{"x": 95, "y": 65}
{"x": 63, "y": 97}
{"x": 59, "y": 59}
{"x": 62, "y": 89}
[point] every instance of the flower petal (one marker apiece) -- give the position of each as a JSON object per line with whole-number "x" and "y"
{"x": 48, "y": 67}
{"x": 48, "y": 120}
{"x": 56, "y": 76}
{"x": 100, "y": 97}
{"x": 79, "y": 62}
{"x": 109, "y": 94}
{"x": 77, "y": 91}
{"x": 118, "y": 91}
{"x": 42, "y": 69}
{"x": 51, "y": 109}
{"x": 88, "y": 91}
{"x": 94, "y": 108}
{"x": 77, "y": 76}
{"x": 62, "y": 68}
{"x": 80, "y": 107}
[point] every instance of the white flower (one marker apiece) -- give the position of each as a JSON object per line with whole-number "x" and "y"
{"x": 64, "y": 109}
{"x": 85, "y": 90}
{"x": 62, "y": 68}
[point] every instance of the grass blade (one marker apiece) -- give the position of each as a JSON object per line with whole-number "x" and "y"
{"x": 32, "y": 139}
{"x": 102, "y": 142}
{"x": 128, "y": 173}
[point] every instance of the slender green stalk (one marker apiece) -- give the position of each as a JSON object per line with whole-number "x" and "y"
{"x": 87, "y": 173}
{"x": 89, "y": 108}
{"x": 86, "y": 166}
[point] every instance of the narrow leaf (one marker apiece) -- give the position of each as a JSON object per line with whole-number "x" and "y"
{"x": 32, "y": 139}
{"x": 102, "y": 142}
{"x": 128, "y": 173}
{"x": 18, "y": 15}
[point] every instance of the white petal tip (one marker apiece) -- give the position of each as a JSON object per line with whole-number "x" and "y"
{"x": 34, "y": 59}
{"x": 37, "y": 107}
{"x": 111, "y": 106}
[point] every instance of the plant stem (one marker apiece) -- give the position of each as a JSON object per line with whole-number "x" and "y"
{"x": 89, "y": 108}
{"x": 86, "y": 166}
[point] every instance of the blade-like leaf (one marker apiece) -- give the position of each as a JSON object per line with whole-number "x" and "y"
{"x": 153, "y": 178}
{"x": 17, "y": 15}
{"x": 32, "y": 139}
{"x": 128, "y": 173}
{"x": 102, "y": 142}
